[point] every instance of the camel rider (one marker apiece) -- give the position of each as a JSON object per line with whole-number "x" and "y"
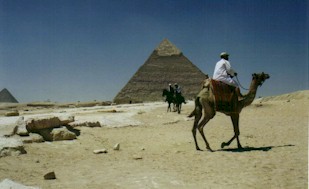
{"x": 225, "y": 73}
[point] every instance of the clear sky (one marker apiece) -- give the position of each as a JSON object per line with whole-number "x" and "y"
{"x": 84, "y": 50}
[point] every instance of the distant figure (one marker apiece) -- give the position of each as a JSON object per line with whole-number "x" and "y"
{"x": 178, "y": 98}
{"x": 225, "y": 73}
{"x": 177, "y": 89}
{"x": 171, "y": 89}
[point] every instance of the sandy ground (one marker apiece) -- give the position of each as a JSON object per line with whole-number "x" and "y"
{"x": 157, "y": 149}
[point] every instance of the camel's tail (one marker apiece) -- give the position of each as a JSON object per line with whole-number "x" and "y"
{"x": 198, "y": 105}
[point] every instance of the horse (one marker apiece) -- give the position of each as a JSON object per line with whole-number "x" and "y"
{"x": 179, "y": 99}
{"x": 169, "y": 98}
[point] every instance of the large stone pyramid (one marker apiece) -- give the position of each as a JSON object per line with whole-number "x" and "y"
{"x": 165, "y": 65}
{"x": 6, "y": 96}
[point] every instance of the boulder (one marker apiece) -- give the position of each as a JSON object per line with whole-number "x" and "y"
{"x": 34, "y": 125}
{"x": 50, "y": 176}
{"x": 33, "y": 137}
{"x": 21, "y": 127}
{"x": 62, "y": 134}
{"x": 11, "y": 147}
{"x": 65, "y": 120}
{"x": 46, "y": 134}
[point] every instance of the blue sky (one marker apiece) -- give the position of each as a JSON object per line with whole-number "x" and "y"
{"x": 83, "y": 50}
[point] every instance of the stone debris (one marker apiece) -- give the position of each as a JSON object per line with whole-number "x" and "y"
{"x": 137, "y": 157}
{"x": 65, "y": 120}
{"x": 50, "y": 176}
{"x": 12, "y": 113}
{"x": 32, "y": 138}
{"x": 11, "y": 147}
{"x": 62, "y": 133}
{"x": 9, "y": 184}
{"x": 117, "y": 146}
{"x": 100, "y": 151}
{"x": 85, "y": 124}
{"x": 21, "y": 127}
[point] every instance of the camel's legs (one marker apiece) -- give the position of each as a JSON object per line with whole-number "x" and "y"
{"x": 201, "y": 127}
{"x": 198, "y": 115}
{"x": 235, "y": 121}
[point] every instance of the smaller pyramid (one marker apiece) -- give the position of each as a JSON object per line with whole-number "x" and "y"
{"x": 6, "y": 96}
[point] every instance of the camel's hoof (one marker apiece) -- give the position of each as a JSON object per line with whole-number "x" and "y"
{"x": 223, "y": 144}
{"x": 240, "y": 148}
{"x": 209, "y": 149}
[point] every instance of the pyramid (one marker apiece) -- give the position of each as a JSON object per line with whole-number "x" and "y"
{"x": 165, "y": 65}
{"x": 6, "y": 96}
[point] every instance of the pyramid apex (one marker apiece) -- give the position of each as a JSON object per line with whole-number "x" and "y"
{"x": 166, "y": 48}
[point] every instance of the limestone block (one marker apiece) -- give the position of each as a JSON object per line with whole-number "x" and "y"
{"x": 33, "y": 137}
{"x": 11, "y": 147}
{"x": 100, "y": 151}
{"x": 42, "y": 123}
{"x": 65, "y": 120}
{"x": 21, "y": 127}
{"x": 62, "y": 134}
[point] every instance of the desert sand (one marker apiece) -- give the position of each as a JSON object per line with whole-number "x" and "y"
{"x": 157, "y": 148}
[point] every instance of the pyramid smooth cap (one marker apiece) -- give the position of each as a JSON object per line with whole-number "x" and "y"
{"x": 166, "y": 48}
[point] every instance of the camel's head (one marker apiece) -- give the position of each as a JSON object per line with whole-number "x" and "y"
{"x": 260, "y": 78}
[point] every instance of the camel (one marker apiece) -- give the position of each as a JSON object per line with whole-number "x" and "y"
{"x": 205, "y": 102}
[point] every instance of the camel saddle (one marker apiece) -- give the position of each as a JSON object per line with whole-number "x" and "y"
{"x": 223, "y": 95}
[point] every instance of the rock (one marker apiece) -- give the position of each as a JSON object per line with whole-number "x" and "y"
{"x": 33, "y": 137}
{"x": 8, "y": 184}
{"x": 117, "y": 146}
{"x": 21, "y": 127}
{"x": 137, "y": 157}
{"x": 11, "y": 147}
{"x": 62, "y": 134}
{"x": 33, "y": 125}
{"x": 46, "y": 134}
{"x": 93, "y": 124}
{"x": 50, "y": 176}
{"x": 85, "y": 124}
{"x": 100, "y": 151}
{"x": 12, "y": 113}
{"x": 65, "y": 120}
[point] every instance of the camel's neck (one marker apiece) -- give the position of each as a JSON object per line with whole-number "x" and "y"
{"x": 250, "y": 96}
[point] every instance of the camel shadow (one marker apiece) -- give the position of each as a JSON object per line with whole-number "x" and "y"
{"x": 249, "y": 149}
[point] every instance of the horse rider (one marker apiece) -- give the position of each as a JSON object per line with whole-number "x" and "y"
{"x": 225, "y": 73}
{"x": 171, "y": 89}
{"x": 177, "y": 90}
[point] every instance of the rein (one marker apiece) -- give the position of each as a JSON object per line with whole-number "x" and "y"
{"x": 240, "y": 84}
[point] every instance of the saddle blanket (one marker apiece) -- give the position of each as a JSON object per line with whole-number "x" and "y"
{"x": 223, "y": 95}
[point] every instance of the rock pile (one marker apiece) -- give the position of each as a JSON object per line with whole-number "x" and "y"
{"x": 49, "y": 128}
{"x": 40, "y": 129}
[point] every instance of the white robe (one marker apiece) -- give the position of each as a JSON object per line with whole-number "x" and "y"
{"x": 223, "y": 72}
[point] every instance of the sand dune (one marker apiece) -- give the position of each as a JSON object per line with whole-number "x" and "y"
{"x": 157, "y": 148}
